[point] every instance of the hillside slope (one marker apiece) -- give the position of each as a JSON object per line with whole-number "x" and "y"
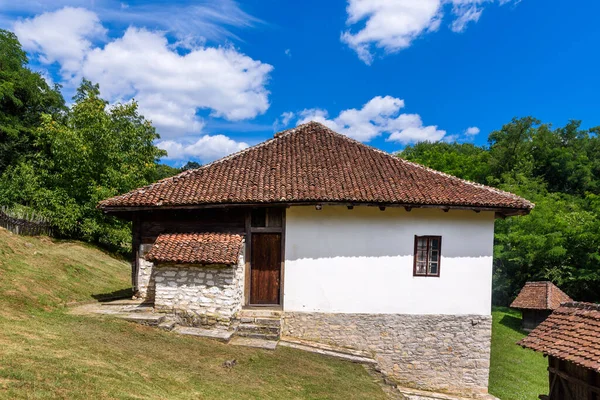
{"x": 46, "y": 353}
{"x": 37, "y": 272}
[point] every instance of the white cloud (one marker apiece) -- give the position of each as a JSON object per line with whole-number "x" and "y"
{"x": 207, "y": 148}
{"x": 64, "y": 36}
{"x": 392, "y": 25}
{"x": 378, "y": 116}
{"x": 465, "y": 13}
{"x": 208, "y": 19}
{"x": 472, "y": 131}
{"x": 170, "y": 86}
{"x": 283, "y": 120}
{"x": 288, "y": 53}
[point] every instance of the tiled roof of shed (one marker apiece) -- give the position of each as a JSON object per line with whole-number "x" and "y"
{"x": 540, "y": 296}
{"x": 196, "y": 248}
{"x": 570, "y": 333}
{"x": 311, "y": 163}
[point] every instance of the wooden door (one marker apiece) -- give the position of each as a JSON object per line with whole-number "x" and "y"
{"x": 265, "y": 268}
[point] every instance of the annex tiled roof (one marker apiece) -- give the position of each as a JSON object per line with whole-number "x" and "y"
{"x": 311, "y": 163}
{"x": 540, "y": 296}
{"x": 570, "y": 333}
{"x": 196, "y": 248}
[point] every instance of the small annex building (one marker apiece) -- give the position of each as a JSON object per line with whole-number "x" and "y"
{"x": 570, "y": 338}
{"x": 537, "y": 300}
{"x": 346, "y": 244}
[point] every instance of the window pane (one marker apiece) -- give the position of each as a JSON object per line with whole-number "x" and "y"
{"x": 433, "y": 256}
{"x": 435, "y": 243}
{"x": 433, "y": 268}
{"x": 421, "y": 269}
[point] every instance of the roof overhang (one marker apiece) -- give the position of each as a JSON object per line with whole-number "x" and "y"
{"x": 500, "y": 212}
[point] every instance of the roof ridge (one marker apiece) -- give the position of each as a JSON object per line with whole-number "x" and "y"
{"x": 582, "y": 305}
{"x": 400, "y": 159}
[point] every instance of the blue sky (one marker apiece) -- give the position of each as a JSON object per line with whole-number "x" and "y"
{"x": 215, "y": 77}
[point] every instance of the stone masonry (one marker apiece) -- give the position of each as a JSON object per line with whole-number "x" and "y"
{"x": 145, "y": 275}
{"x": 200, "y": 295}
{"x": 446, "y": 353}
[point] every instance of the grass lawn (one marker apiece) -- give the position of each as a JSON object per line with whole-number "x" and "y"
{"x": 46, "y": 353}
{"x": 516, "y": 373}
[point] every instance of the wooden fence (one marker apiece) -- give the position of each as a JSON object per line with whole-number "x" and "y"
{"x": 26, "y": 223}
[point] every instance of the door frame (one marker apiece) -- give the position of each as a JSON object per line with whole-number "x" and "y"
{"x": 248, "y": 258}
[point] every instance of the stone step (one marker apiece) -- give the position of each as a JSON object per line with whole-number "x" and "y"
{"x": 259, "y": 313}
{"x": 253, "y": 328}
{"x": 256, "y": 335}
{"x": 328, "y": 350}
{"x": 272, "y": 321}
{"x": 167, "y": 325}
{"x": 218, "y": 334}
{"x": 143, "y": 318}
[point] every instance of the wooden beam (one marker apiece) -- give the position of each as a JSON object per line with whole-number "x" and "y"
{"x": 408, "y": 208}
{"x": 381, "y": 208}
{"x": 505, "y": 211}
{"x": 350, "y": 207}
{"x": 446, "y": 209}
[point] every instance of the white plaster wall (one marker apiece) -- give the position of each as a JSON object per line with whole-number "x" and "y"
{"x": 361, "y": 261}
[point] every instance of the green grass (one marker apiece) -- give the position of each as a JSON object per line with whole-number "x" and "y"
{"x": 46, "y": 353}
{"x": 515, "y": 373}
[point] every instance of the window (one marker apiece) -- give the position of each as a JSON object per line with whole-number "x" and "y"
{"x": 427, "y": 255}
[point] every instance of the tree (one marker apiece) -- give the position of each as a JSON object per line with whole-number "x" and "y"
{"x": 94, "y": 152}
{"x": 191, "y": 165}
{"x": 463, "y": 160}
{"x": 24, "y": 97}
{"x": 510, "y": 147}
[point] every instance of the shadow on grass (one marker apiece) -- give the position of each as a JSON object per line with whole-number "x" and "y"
{"x": 513, "y": 323}
{"x": 117, "y": 294}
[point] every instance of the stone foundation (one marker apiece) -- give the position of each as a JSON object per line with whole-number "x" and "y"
{"x": 200, "y": 295}
{"x": 447, "y": 353}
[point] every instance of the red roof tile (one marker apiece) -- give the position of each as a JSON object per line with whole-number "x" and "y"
{"x": 540, "y": 296}
{"x": 311, "y": 163}
{"x": 570, "y": 333}
{"x": 196, "y": 248}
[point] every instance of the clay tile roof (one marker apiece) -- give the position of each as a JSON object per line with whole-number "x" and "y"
{"x": 570, "y": 333}
{"x": 196, "y": 248}
{"x": 540, "y": 296}
{"x": 311, "y": 163}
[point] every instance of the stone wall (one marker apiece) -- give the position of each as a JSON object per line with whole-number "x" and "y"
{"x": 145, "y": 277}
{"x": 447, "y": 353}
{"x": 200, "y": 295}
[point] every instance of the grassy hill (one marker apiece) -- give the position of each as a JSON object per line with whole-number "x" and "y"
{"x": 46, "y": 353}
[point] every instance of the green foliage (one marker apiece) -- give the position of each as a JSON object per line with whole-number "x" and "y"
{"x": 163, "y": 171}
{"x": 24, "y": 97}
{"x": 91, "y": 153}
{"x": 459, "y": 159}
{"x": 191, "y": 165}
{"x": 557, "y": 169}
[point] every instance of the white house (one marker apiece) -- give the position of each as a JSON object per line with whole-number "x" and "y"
{"x": 348, "y": 245}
